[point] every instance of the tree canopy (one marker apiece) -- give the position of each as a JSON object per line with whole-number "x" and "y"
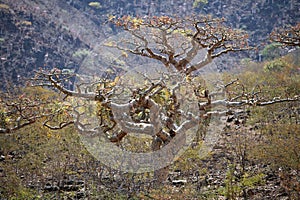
{"x": 289, "y": 36}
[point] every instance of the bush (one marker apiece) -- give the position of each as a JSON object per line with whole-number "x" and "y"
{"x": 271, "y": 51}
{"x": 95, "y": 4}
{"x": 275, "y": 65}
{"x": 199, "y": 2}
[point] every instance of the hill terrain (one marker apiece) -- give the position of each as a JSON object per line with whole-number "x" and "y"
{"x": 57, "y": 34}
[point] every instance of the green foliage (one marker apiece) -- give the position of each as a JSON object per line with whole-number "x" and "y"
{"x": 234, "y": 186}
{"x": 246, "y": 61}
{"x": 162, "y": 97}
{"x": 190, "y": 159}
{"x": 3, "y": 119}
{"x": 138, "y": 144}
{"x": 81, "y": 53}
{"x": 183, "y": 32}
{"x": 275, "y": 65}
{"x": 251, "y": 181}
{"x": 95, "y": 4}
{"x": 34, "y": 155}
{"x": 271, "y": 51}
{"x": 24, "y": 194}
{"x": 281, "y": 146}
{"x": 198, "y": 3}
{"x": 275, "y": 79}
{"x": 277, "y": 125}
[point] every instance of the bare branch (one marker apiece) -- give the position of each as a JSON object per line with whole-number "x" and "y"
{"x": 55, "y": 80}
{"x": 204, "y": 32}
{"x": 60, "y": 126}
{"x": 289, "y": 36}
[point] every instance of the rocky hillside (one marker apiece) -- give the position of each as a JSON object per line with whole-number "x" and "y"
{"x": 48, "y": 34}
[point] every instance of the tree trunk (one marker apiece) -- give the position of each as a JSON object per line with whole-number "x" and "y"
{"x": 160, "y": 175}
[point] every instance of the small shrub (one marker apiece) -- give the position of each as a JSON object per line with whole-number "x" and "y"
{"x": 95, "y": 4}
{"x": 197, "y": 3}
{"x": 81, "y": 53}
{"x": 4, "y": 6}
{"x": 275, "y": 65}
{"x": 271, "y": 51}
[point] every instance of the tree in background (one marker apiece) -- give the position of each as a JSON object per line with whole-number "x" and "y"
{"x": 289, "y": 36}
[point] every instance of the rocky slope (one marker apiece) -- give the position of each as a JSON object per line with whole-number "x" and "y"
{"x": 47, "y": 34}
{"x": 30, "y": 42}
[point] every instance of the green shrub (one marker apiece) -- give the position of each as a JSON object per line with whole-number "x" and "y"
{"x": 271, "y": 51}
{"x": 95, "y": 4}
{"x": 275, "y": 65}
{"x": 199, "y": 2}
{"x": 80, "y": 54}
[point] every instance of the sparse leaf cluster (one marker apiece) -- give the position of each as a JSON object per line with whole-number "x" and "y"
{"x": 289, "y": 36}
{"x": 177, "y": 42}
